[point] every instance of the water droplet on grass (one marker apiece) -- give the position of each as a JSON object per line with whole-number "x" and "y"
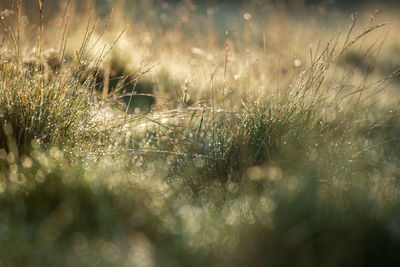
{"x": 297, "y": 62}
{"x": 247, "y": 16}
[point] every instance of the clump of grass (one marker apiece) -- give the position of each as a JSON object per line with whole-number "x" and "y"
{"x": 255, "y": 136}
{"x": 44, "y": 98}
{"x": 286, "y": 131}
{"x": 52, "y": 112}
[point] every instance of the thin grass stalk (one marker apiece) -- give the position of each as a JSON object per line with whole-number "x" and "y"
{"x": 19, "y": 16}
{"x": 64, "y": 34}
{"x": 40, "y": 31}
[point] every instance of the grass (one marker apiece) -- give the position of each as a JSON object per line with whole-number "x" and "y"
{"x": 243, "y": 148}
{"x": 57, "y": 111}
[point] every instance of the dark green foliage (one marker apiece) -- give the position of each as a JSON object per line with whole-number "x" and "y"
{"x": 311, "y": 230}
{"x": 54, "y": 216}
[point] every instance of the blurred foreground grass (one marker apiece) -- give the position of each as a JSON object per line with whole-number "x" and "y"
{"x": 177, "y": 144}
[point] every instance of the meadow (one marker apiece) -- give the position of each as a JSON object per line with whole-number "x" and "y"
{"x": 175, "y": 133}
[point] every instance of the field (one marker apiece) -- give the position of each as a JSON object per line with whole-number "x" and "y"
{"x": 190, "y": 133}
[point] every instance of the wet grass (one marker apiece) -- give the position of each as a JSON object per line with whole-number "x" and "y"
{"x": 213, "y": 158}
